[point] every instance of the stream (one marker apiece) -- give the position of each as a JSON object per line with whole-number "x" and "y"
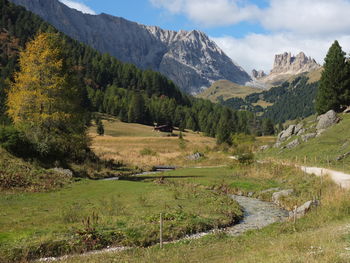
{"x": 257, "y": 214}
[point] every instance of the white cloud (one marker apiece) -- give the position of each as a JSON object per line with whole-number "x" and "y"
{"x": 78, "y": 6}
{"x": 258, "y": 50}
{"x": 208, "y": 12}
{"x": 316, "y": 17}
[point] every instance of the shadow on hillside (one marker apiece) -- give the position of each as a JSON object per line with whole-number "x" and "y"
{"x": 143, "y": 178}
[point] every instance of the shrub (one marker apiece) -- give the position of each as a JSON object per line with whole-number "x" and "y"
{"x": 15, "y": 142}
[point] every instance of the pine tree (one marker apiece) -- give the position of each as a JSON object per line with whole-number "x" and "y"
{"x": 334, "y": 84}
{"x": 100, "y": 127}
{"x": 44, "y": 100}
{"x": 136, "y": 111}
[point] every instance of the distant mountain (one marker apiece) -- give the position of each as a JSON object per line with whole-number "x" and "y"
{"x": 286, "y": 67}
{"x": 190, "y": 59}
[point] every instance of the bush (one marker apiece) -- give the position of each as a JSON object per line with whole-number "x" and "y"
{"x": 15, "y": 142}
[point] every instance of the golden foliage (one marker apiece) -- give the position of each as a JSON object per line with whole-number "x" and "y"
{"x": 44, "y": 100}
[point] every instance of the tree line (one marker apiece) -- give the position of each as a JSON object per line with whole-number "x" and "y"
{"x": 103, "y": 83}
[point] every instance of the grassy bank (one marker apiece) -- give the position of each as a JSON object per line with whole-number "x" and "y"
{"x": 93, "y": 214}
{"x": 323, "y": 235}
{"x": 321, "y": 151}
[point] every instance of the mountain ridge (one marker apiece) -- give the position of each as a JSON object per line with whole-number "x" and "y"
{"x": 189, "y": 58}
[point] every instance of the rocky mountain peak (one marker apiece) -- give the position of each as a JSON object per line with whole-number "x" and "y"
{"x": 288, "y": 64}
{"x": 258, "y": 74}
{"x": 189, "y": 58}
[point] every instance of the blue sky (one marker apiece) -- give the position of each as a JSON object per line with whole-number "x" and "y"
{"x": 251, "y": 32}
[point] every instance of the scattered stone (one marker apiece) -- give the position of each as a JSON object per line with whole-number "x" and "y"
{"x": 277, "y": 195}
{"x": 347, "y": 110}
{"x": 327, "y": 120}
{"x": 194, "y": 157}
{"x": 303, "y": 209}
{"x": 65, "y": 172}
{"x": 270, "y": 190}
{"x": 264, "y": 147}
{"x": 308, "y": 136}
{"x": 343, "y": 156}
{"x": 250, "y": 194}
{"x": 292, "y": 144}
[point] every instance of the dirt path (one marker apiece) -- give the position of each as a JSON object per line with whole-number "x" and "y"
{"x": 340, "y": 178}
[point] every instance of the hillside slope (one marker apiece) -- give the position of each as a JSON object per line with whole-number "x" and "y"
{"x": 224, "y": 90}
{"x": 322, "y": 151}
{"x": 190, "y": 59}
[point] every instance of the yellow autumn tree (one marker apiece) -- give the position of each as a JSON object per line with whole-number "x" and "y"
{"x": 44, "y": 101}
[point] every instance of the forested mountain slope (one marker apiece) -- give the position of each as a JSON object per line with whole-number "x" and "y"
{"x": 189, "y": 58}
{"x": 135, "y": 95}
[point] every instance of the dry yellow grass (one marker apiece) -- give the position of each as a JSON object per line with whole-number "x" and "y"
{"x": 138, "y": 145}
{"x": 227, "y": 90}
{"x": 263, "y": 104}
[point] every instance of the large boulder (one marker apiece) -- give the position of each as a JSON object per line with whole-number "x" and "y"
{"x": 292, "y": 144}
{"x": 298, "y": 128}
{"x": 327, "y": 120}
{"x": 302, "y": 210}
{"x": 276, "y": 197}
{"x": 286, "y": 134}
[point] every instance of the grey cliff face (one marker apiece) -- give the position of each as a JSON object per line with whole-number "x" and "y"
{"x": 190, "y": 59}
{"x": 286, "y": 63}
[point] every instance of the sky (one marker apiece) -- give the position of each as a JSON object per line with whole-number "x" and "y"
{"x": 250, "y": 32}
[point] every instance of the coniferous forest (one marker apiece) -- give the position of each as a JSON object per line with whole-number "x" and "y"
{"x": 113, "y": 87}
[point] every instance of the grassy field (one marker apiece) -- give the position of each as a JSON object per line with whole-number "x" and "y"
{"x": 321, "y": 236}
{"x": 226, "y": 89}
{"x": 321, "y": 151}
{"x": 138, "y": 145}
{"x": 93, "y": 214}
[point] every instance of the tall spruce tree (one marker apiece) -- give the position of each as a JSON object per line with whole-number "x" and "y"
{"x": 333, "y": 92}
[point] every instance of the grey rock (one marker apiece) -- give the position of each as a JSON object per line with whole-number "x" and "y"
{"x": 270, "y": 190}
{"x": 250, "y": 194}
{"x": 327, "y": 120}
{"x": 277, "y": 195}
{"x": 258, "y": 74}
{"x": 308, "y": 136}
{"x": 292, "y": 144}
{"x": 189, "y": 58}
{"x": 264, "y": 147}
{"x": 65, "y": 172}
{"x": 286, "y": 134}
{"x": 298, "y": 128}
{"x": 195, "y": 156}
{"x": 301, "y": 131}
{"x": 303, "y": 209}
{"x": 347, "y": 110}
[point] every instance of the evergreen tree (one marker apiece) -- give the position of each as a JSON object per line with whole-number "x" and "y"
{"x": 268, "y": 127}
{"x": 334, "y": 84}
{"x": 136, "y": 111}
{"x": 100, "y": 127}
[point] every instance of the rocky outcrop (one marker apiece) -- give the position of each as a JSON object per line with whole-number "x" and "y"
{"x": 258, "y": 74}
{"x": 292, "y": 144}
{"x": 287, "y": 64}
{"x": 189, "y": 58}
{"x": 303, "y": 209}
{"x": 284, "y": 67}
{"x": 327, "y": 120}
